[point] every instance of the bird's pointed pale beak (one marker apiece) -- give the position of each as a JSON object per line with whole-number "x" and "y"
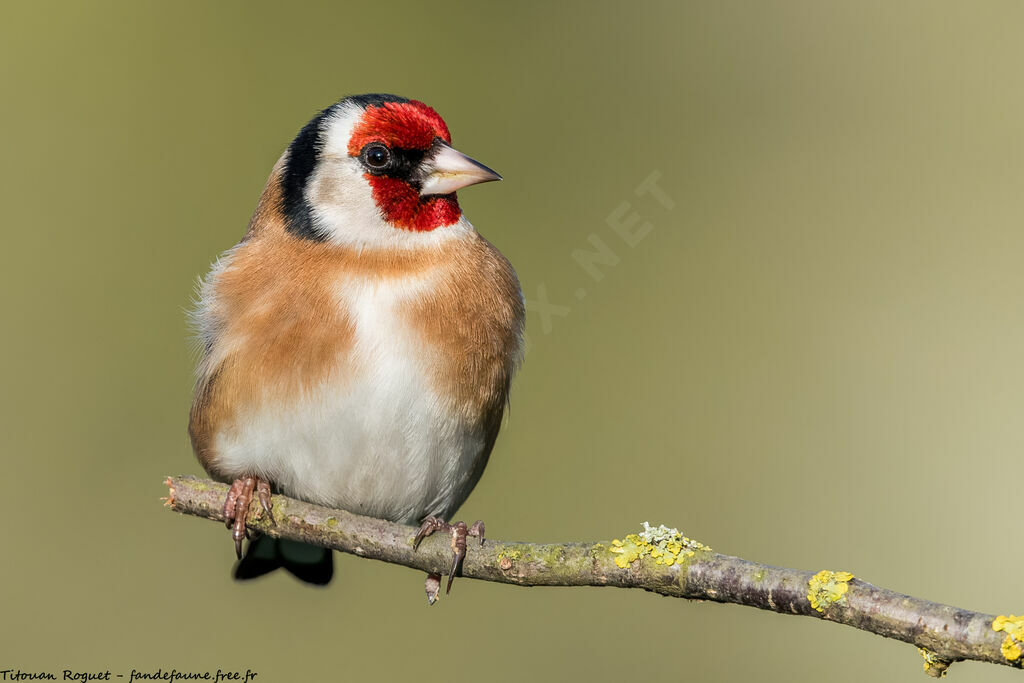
{"x": 447, "y": 170}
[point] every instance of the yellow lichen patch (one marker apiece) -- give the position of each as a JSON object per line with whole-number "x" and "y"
{"x": 510, "y": 555}
{"x": 826, "y": 588}
{"x": 933, "y": 665}
{"x": 1013, "y": 644}
{"x": 665, "y": 546}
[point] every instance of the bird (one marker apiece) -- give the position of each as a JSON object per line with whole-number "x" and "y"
{"x": 357, "y": 346}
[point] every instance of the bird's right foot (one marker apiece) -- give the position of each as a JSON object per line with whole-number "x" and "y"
{"x": 236, "y": 507}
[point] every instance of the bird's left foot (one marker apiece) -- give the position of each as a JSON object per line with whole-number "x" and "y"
{"x": 459, "y": 532}
{"x": 236, "y": 507}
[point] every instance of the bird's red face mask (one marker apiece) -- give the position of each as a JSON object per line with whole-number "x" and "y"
{"x": 405, "y": 150}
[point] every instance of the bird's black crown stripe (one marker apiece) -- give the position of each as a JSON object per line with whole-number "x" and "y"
{"x": 371, "y": 100}
{"x": 303, "y": 156}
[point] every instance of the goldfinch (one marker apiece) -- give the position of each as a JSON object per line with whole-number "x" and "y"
{"x": 358, "y": 343}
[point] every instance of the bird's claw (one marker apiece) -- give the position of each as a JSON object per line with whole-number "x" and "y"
{"x": 459, "y": 532}
{"x": 477, "y": 530}
{"x": 429, "y": 526}
{"x": 433, "y": 587}
{"x": 236, "y": 507}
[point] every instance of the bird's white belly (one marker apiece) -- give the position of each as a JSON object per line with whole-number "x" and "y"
{"x": 377, "y": 440}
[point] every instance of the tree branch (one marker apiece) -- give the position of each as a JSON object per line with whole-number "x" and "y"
{"x": 657, "y": 559}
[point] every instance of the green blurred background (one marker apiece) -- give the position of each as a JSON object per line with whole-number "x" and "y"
{"x": 813, "y": 360}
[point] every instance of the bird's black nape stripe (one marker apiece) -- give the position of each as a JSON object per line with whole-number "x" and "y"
{"x": 303, "y": 156}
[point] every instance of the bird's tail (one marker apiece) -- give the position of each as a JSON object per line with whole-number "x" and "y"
{"x": 305, "y": 562}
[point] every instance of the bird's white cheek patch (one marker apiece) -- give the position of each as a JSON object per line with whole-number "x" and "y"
{"x": 379, "y": 442}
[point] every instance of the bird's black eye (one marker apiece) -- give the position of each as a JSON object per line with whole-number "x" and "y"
{"x": 377, "y": 156}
